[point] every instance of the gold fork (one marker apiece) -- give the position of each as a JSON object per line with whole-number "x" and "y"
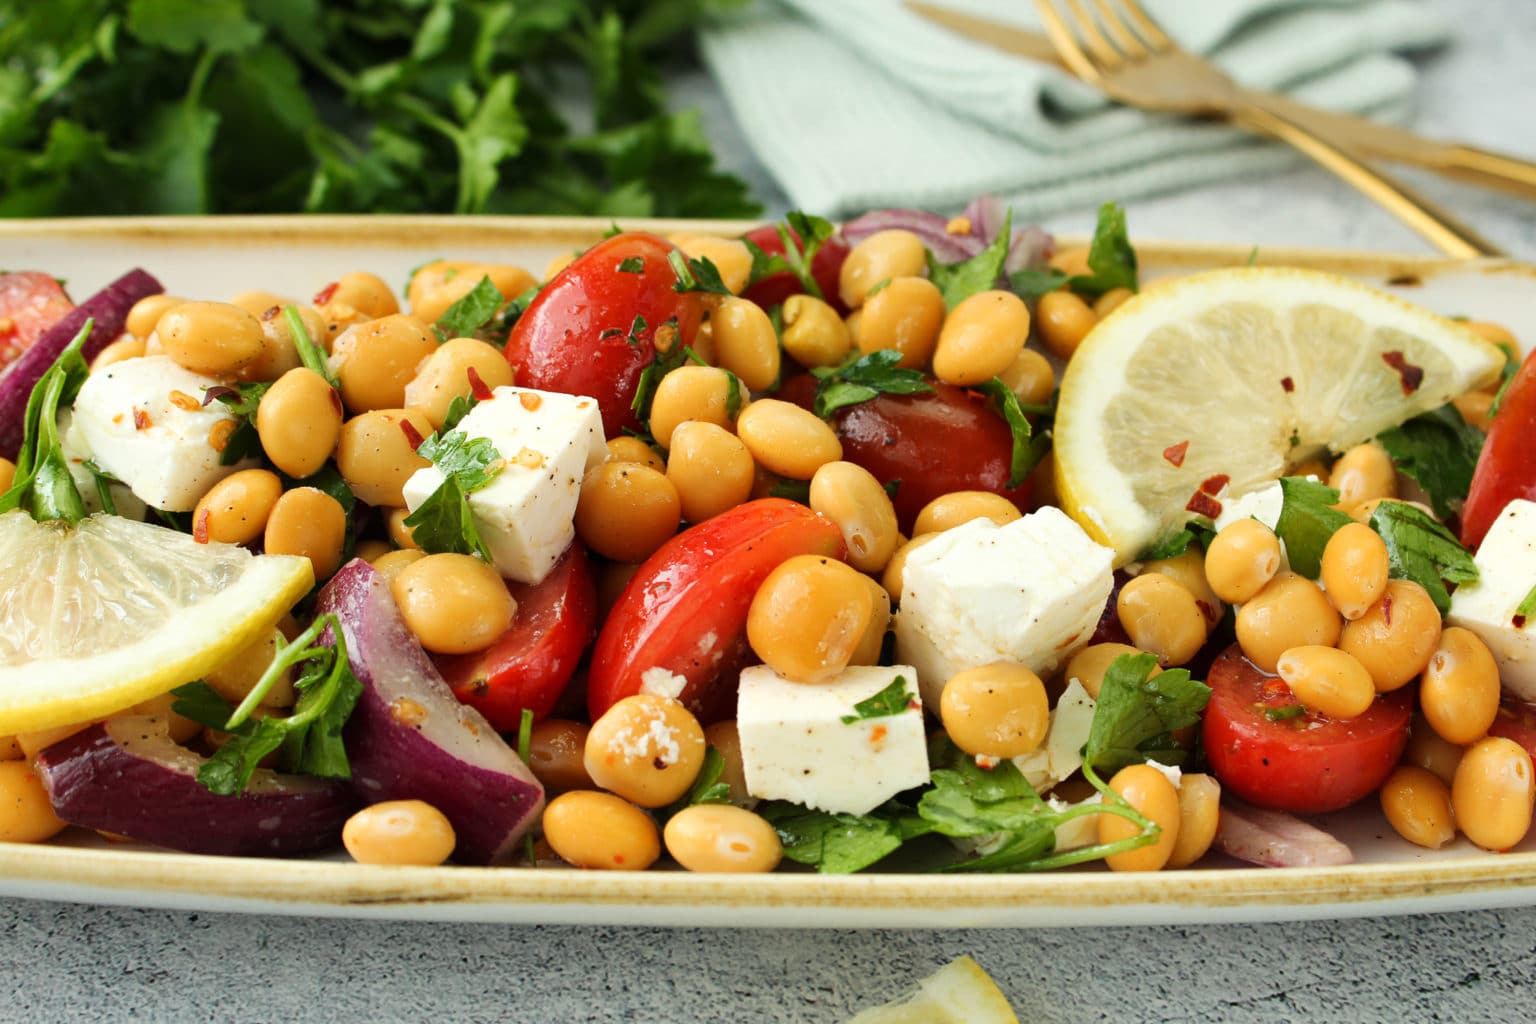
{"x": 1124, "y": 53}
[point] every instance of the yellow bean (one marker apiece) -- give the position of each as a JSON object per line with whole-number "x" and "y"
{"x": 997, "y": 710}
{"x": 1459, "y": 690}
{"x": 1492, "y": 793}
{"x": 1063, "y": 320}
{"x": 1396, "y": 637}
{"x": 26, "y": 815}
{"x": 1363, "y": 472}
{"x": 948, "y": 511}
{"x": 808, "y": 617}
{"x": 814, "y": 335}
{"x": 1328, "y": 680}
{"x": 1417, "y": 804}
{"x": 307, "y": 521}
{"x": 851, "y": 497}
{"x": 1199, "y": 816}
{"x": 454, "y": 604}
{"x": 722, "y": 839}
{"x": 1354, "y": 569}
{"x": 745, "y": 342}
{"x": 1291, "y": 611}
{"x": 883, "y": 256}
{"x": 1162, "y": 617}
{"x": 786, "y": 439}
{"x": 404, "y": 832}
{"x": 1242, "y": 559}
{"x": 1148, "y": 791}
{"x": 645, "y": 748}
{"x": 981, "y": 337}
{"x": 598, "y": 831}
{"x": 906, "y": 316}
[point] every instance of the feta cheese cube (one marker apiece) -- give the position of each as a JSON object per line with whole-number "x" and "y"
{"x": 1506, "y": 565}
{"x": 548, "y": 442}
{"x": 76, "y": 452}
{"x": 795, "y": 745}
{"x": 145, "y": 421}
{"x": 1263, "y": 504}
{"x": 1029, "y": 592}
{"x": 1062, "y": 752}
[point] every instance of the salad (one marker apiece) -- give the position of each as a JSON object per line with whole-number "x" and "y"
{"x": 913, "y": 543}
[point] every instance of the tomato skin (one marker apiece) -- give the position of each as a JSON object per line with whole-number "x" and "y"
{"x": 529, "y": 665}
{"x": 826, "y": 268}
{"x": 558, "y": 343}
{"x": 30, "y": 303}
{"x": 1308, "y": 768}
{"x": 1516, "y": 721}
{"x": 685, "y": 609}
{"x": 1505, "y": 470}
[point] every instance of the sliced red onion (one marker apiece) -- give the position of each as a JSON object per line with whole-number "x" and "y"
{"x": 1031, "y": 247}
{"x": 986, "y": 214}
{"x": 930, "y": 227}
{"x": 1275, "y": 839}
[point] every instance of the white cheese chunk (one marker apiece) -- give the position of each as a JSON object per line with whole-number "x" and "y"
{"x": 1263, "y": 504}
{"x": 1506, "y": 566}
{"x": 659, "y": 681}
{"x": 76, "y": 452}
{"x": 1078, "y": 832}
{"x": 795, "y": 745}
{"x": 548, "y": 442}
{"x": 145, "y": 422}
{"x": 1061, "y": 754}
{"x": 1029, "y": 592}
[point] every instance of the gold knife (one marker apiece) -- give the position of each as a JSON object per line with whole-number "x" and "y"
{"x": 1469, "y": 164}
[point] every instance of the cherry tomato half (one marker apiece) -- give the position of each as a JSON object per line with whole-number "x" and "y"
{"x": 592, "y": 329}
{"x": 30, "y": 303}
{"x": 826, "y": 266}
{"x": 1305, "y": 765}
{"x": 1505, "y": 470}
{"x": 685, "y": 609}
{"x": 1516, "y": 721}
{"x": 529, "y": 665}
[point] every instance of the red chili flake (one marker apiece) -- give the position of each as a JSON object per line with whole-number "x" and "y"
{"x": 141, "y": 420}
{"x": 1518, "y": 621}
{"x": 877, "y": 734}
{"x": 1288, "y": 384}
{"x": 272, "y": 313}
{"x": 1386, "y": 610}
{"x": 1175, "y": 453}
{"x": 412, "y": 435}
{"x": 477, "y": 385}
{"x": 200, "y": 526}
{"x": 1213, "y": 484}
{"x": 1203, "y": 504}
{"x": 324, "y": 295}
{"x": 1412, "y": 376}
{"x": 336, "y": 401}
{"x": 529, "y": 400}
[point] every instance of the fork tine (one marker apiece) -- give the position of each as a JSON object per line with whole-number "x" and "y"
{"x": 1126, "y": 39}
{"x": 1147, "y": 28}
{"x": 1101, "y": 49}
{"x": 1065, "y": 41}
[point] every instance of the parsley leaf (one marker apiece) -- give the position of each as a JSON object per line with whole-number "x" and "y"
{"x": 863, "y": 377}
{"x": 1028, "y": 448}
{"x": 1506, "y": 377}
{"x": 444, "y": 522}
{"x": 470, "y": 313}
{"x": 1525, "y": 609}
{"x": 801, "y": 235}
{"x": 1176, "y": 544}
{"x": 650, "y": 378}
{"x": 696, "y": 275}
{"x": 1033, "y": 282}
{"x": 892, "y": 700}
{"x": 43, "y": 484}
{"x": 1138, "y": 712}
{"x": 1422, "y": 550}
{"x": 707, "y": 788}
{"x": 959, "y": 281}
{"x": 1111, "y": 258}
{"x": 310, "y": 354}
{"x": 1439, "y": 450}
{"x": 838, "y": 844}
{"x": 242, "y": 401}
{"x": 1307, "y": 520}
{"x": 631, "y": 265}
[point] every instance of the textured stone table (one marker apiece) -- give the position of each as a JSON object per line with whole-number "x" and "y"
{"x": 66, "y": 963}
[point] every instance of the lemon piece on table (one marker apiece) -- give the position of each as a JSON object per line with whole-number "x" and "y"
{"x": 98, "y": 616}
{"x": 1239, "y": 374}
{"x": 960, "y": 992}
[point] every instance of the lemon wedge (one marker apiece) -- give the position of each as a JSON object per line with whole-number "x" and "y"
{"x": 1215, "y": 383}
{"x": 98, "y": 616}
{"x": 960, "y": 992}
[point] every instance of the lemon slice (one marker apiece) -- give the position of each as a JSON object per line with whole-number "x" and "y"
{"x": 1239, "y": 374}
{"x": 101, "y": 615}
{"x": 959, "y": 992}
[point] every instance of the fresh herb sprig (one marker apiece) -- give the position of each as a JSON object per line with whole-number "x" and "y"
{"x": 444, "y": 522}
{"x": 1422, "y": 550}
{"x": 802, "y": 236}
{"x": 1111, "y": 263}
{"x": 1029, "y": 446}
{"x": 242, "y": 401}
{"x": 1439, "y": 450}
{"x": 982, "y": 272}
{"x": 863, "y": 377}
{"x": 469, "y": 313}
{"x": 891, "y": 700}
{"x": 310, "y": 354}
{"x": 43, "y": 484}
{"x": 1307, "y": 519}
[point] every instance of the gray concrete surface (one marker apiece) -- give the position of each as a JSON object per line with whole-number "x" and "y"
{"x": 67, "y": 963}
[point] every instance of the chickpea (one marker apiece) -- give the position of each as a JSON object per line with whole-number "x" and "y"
{"x": 1363, "y": 472}
{"x": 145, "y": 314}
{"x": 1459, "y": 691}
{"x": 435, "y": 297}
{"x": 729, "y": 255}
{"x": 1063, "y": 320}
{"x": 1110, "y": 301}
{"x": 1417, "y": 804}
{"x": 703, "y": 343}
{"x": 376, "y": 454}
{"x": 376, "y": 359}
{"x": 307, "y": 521}
{"x": 454, "y": 604}
{"x": 1429, "y": 751}
{"x": 7, "y": 474}
{"x": 851, "y": 497}
{"x": 556, "y": 749}
{"x": 626, "y": 511}
{"x": 1315, "y": 468}
{"x": 1188, "y": 571}
{"x": 1327, "y": 680}
{"x": 235, "y": 510}
{"x": 214, "y": 338}
{"x": 367, "y": 293}
{"x": 700, "y": 393}
{"x": 445, "y": 375}
{"x": 1199, "y": 816}
{"x": 299, "y": 422}
{"x": 893, "y": 577}
{"x": 258, "y": 302}
{"x": 601, "y": 832}
{"x": 786, "y": 439}
{"x": 1162, "y": 617}
{"x": 720, "y": 838}
{"x": 1030, "y": 377}
{"x": 1243, "y": 558}
{"x": 645, "y": 748}
{"x": 1072, "y": 262}
{"x": 808, "y": 616}
{"x": 430, "y": 276}
{"x": 948, "y": 511}
{"x": 1090, "y": 663}
{"x": 281, "y": 352}
{"x": 1476, "y": 407}
{"x": 852, "y": 322}
{"x": 814, "y": 335}
{"x": 1396, "y": 638}
{"x": 981, "y": 337}
{"x": 400, "y": 535}
{"x": 1148, "y": 791}
{"x": 1291, "y": 611}
{"x": 122, "y": 349}
{"x": 1492, "y": 793}
{"x": 631, "y": 449}
{"x": 883, "y": 256}
{"x": 905, "y": 315}
{"x": 405, "y": 832}
{"x": 26, "y": 814}
{"x": 997, "y": 710}
{"x": 873, "y": 640}
{"x": 745, "y": 342}
{"x": 393, "y": 564}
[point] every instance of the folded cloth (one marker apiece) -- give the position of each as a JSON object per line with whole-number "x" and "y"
{"x": 855, "y": 104}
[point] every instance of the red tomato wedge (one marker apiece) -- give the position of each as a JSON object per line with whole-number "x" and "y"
{"x": 1506, "y": 470}
{"x": 30, "y": 303}
{"x": 685, "y": 610}
{"x": 592, "y": 329}
{"x": 826, "y": 268}
{"x": 1516, "y": 721}
{"x": 1305, "y": 765}
{"x": 530, "y": 664}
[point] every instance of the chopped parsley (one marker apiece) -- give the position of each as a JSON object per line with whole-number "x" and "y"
{"x": 1525, "y": 609}
{"x": 892, "y": 700}
{"x": 1111, "y": 263}
{"x": 802, "y": 236}
{"x": 696, "y": 275}
{"x": 1439, "y": 451}
{"x": 242, "y": 401}
{"x": 1422, "y": 550}
{"x": 470, "y": 313}
{"x": 444, "y": 522}
{"x": 632, "y": 265}
{"x": 863, "y": 377}
{"x": 43, "y": 485}
{"x": 959, "y": 281}
{"x": 1028, "y": 447}
{"x": 310, "y": 354}
{"x": 1307, "y": 520}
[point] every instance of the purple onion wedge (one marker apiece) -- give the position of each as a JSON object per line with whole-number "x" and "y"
{"x": 129, "y": 777}
{"x": 108, "y": 307}
{"x": 409, "y": 738}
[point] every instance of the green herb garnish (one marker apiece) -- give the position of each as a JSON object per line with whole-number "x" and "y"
{"x": 444, "y": 522}
{"x": 1307, "y": 520}
{"x": 310, "y": 354}
{"x": 1138, "y": 713}
{"x": 1438, "y": 450}
{"x": 863, "y": 377}
{"x": 43, "y": 484}
{"x": 1284, "y": 713}
{"x": 696, "y": 275}
{"x": 470, "y": 313}
{"x": 242, "y": 401}
{"x": 1028, "y": 447}
{"x": 802, "y": 236}
{"x": 1111, "y": 262}
{"x": 892, "y": 700}
{"x": 1422, "y": 550}
{"x": 959, "y": 281}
